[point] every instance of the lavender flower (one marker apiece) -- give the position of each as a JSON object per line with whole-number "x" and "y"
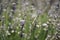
{"x": 13, "y": 6}
{"x": 22, "y": 22}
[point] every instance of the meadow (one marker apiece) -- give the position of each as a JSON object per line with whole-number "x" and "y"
{"x": 25, "y": 22}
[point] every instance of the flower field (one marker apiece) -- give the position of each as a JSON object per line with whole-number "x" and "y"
{"x": 28, "y": 20}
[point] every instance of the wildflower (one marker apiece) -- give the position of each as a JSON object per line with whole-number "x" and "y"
{"x": 44, "y": 24}
{"x": 47, "y": 22}
{"x": 10, "y": 27}
{"x": 58, "y": 24}
{"x": 25, "y": 35}
{"x": 13, "y": 3}
{"x": 11, "y": 10}
{"x": 18, "y": 32}
{"x": 36, "y": 36}
{"x": 34, "y": 15}
{"x": 37, "y": 26}
{"x": 39, "y": 11}
{"x": 49, "y": 19}
{"x": 48, "y": 36}
{"x": 12, "y": 31}
{"x": 17, "y": 19}
{"x": 28, "y": 37}
{"x": 19, "y": 14}
{"x": 7, "y": 33}
{"x": 30, "y": 27}
{"x": 26, "y": 3}
{"x": 13, "y": 6}
{"x": 22, "y": 22}
{"x": 33, "y": 8}
{"x": 4, "y": 9}
{"x": 3, "y": 18}
{"x": 45, "y": 29}
{"x": 23, "y": 28}
{"x": 48, "y": 1}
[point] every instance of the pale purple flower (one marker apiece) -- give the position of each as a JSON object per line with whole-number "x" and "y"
{"x": 22, "y": 22}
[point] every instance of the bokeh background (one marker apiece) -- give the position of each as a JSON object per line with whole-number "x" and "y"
{"x": 29, "y": 19}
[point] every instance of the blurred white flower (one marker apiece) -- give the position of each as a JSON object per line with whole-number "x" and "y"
{"x": 17, "y": 18}
{"x": 18, "y": 32}
{"x": 33, "y": 8}
{"x": 7, "y": 33}
{"x": 4, "y": 9}
{"x": 26, "y": 3}
{"x": 19, "y": 14}
{"x": 59, "y": 36}
{"x": 3, "y": 16}
{"x": 17, "y": 27}
{"x": 23, "y": 28}
{"x": 25, "y": 35}
{"x": 28, "y": 37}
{"x": 58, "y": 24}
{"x": 48, "y": 1}
{"x": 30, "y": 27}
{"x": 49, "y": 19}
{"x": 49, "y": 36}
{"x": 47, "y": 22}
{"x": 44, "y": 24}
{"x": 12, "y": 31}
{"x": 13, "y": 19}
{"x": 34, "y": 15}
{"x": 37, "y": 26}
{"x": 13, "y": 3}
{"x": 11, "y": 10}
{"x": 45, "y": 29}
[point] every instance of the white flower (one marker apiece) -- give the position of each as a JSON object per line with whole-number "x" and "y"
{"x": 49, "y": 36}
{"x": 59, "y": 36}
{"x": 12, "y": 31}
{"x": 25, "y": 35}
{"x": 18, "y": 32}
{"x": 19, "y": 14}
{"x": 58, "y": 24}
{"x": 23, "y": 28}
{"x": 11, "y": 10}
{"x": 17, "y": 27}
{"x": 17, "y": 18}
{"x": 44, "y": 24}
{"x": 38, "y": 26}
{"x": 49, "y": 19}
{"x": 33, "y": 8}
{"x": 3, "y": 16}
{"x": 34, "y": 15}
{"x": 13, "y": 19}
{"x": 47, "y": 22}
{"x": 28, "y": 37}
{"x": 7, "y": 33}
{"x": 45, "y": 29}
{"x": 4, "y": 9}
{"x": 30, "y": 27}
{"x": 13, "y": 3}
{"x": 26, "y": 3}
